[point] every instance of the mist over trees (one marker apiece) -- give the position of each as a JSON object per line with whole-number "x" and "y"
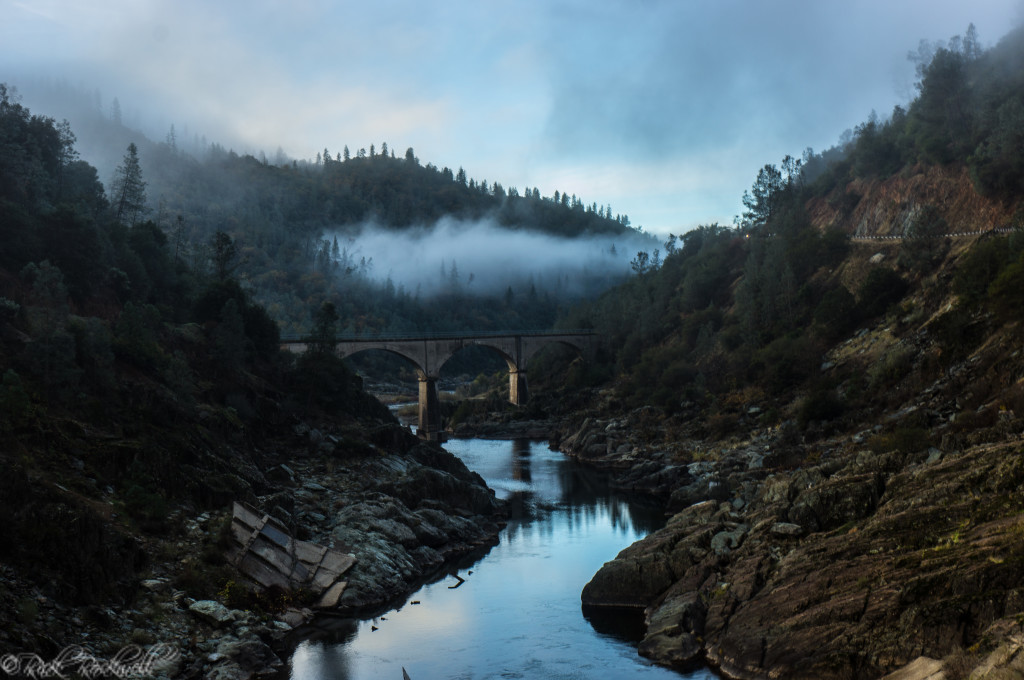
{"x": 287, "y": 216}
{"x": 294, "y": 228}
{"x": 757, "y": 305}
{"x": 969, "y": 109}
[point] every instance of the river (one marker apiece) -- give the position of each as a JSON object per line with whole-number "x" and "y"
{"x": 517, "y": 613}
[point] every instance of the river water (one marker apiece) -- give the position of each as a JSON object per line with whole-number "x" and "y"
{"x": 517, "y": 613}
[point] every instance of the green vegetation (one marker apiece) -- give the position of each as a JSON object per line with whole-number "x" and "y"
{"x": 760, "y": 305}
{"x": 133, "y": 378}
{"x": 142, "y": 347}
{"x": 291, "y": 225}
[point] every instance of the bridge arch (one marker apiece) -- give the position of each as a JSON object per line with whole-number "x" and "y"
{"x": 510, "y": 361}
{"x": 429, "y": 353}
{"x": 351, "y": 352}
{"x": 531, "y": 348}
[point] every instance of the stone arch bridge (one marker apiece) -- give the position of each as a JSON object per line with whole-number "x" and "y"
{"x": 429, "y": 352}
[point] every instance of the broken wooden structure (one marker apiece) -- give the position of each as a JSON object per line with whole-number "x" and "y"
{"x": 265, "y": 552}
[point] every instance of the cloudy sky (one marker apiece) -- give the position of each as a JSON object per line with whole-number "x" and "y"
{"x": 664, "y": 109}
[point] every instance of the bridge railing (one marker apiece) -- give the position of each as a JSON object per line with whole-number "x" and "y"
{"x": 436, "y": 335}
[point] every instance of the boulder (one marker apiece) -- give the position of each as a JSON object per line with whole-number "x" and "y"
{"x": 921, "y": 668}
{"x": 787, "y": 530}
{"x": 250, "y": 653}
{"x": 629, "y": 582}
{"x": 725, "y": 542}
{"x": 680, "y": 650}
{"x": 213, "y": 613}
{"x": 835, "y": 502}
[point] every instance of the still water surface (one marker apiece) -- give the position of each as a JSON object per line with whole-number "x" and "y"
{"x": 517, "y": 615}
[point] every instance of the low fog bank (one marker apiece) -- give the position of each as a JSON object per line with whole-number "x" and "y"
{"x": 485, "y": 258}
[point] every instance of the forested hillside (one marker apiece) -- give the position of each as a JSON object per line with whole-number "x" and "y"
{"x": 830, "y": 398}
{"x": 760, "y": 305}
{"x": 141, "y": 395}
{"x": 297, "y": 226}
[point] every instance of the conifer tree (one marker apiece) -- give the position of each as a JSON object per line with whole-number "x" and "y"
{"x": 128, "y": 188}
{"x": 66, "y": 154}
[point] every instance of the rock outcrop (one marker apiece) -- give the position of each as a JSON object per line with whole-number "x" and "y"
{"x": 400, "y": 514}
{"x": 853, "y": 567}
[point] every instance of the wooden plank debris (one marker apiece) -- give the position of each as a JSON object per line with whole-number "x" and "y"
{"x": 264, "y": 551}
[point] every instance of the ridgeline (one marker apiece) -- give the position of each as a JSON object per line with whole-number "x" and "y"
{"x": 826, "y": 396}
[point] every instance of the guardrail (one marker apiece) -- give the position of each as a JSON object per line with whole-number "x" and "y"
{"x": 958, "y": 234}
{"x": 437, "y": 335}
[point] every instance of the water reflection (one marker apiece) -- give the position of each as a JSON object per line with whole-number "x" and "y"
{"x": 517, "y": 614}
{"x": 521, "y": 461}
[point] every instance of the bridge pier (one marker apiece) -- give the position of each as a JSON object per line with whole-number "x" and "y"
{"x": 430, "y": 410}
{"x": 518, "y": 392}
{"x": 429, "y": 352}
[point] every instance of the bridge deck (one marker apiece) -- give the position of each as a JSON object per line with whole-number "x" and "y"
{"x": 428, "y": 352}
{"x": 439, "y": 335}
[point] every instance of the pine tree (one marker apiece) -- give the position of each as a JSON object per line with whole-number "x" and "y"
{"x": 129, "y": 189}
{"x": 67, "y": 154}
{"x": 325, "y": 330}
{"x": 224, "y": 254}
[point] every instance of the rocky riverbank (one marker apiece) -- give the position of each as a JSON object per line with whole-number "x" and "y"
{"x": 400, "y": 506}
{"x": 505, "y": 429}
{"x": 854, "y": 563}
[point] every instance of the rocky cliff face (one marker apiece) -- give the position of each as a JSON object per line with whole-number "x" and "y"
{"x": 849, "y": 568}
{"x": 797, "y": 549}
{"x": 792, "y": 554}
{"x": 885, "y": 207}
{"x": 803, "y": 552}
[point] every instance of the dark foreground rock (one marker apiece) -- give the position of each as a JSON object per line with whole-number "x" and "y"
{"x": 402, "y": 514}
{"x": 402, "y": 507}
{"x": 851, "y": 568}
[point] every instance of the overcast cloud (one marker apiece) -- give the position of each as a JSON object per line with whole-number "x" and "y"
{"x": 664, "y": 109}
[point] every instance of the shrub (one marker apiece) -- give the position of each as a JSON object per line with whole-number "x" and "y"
{"x": 1007, "y": 290}
{"x": 785, "y": 362}
{"x": 903, "y": 439}
{"x": 821, "y": 406}
{"x": 836, "y": 313}
{"x": 891, "y": 368}
{"x": 880, "y": 290}
{"x": 957, "y": 333}
{"x": 721, "y": 425}
{"x": 150, "y": 509}
{"x": 15, "y": 404}
{"x": 979, "y": 268}
{"x": 135, "y": 335}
